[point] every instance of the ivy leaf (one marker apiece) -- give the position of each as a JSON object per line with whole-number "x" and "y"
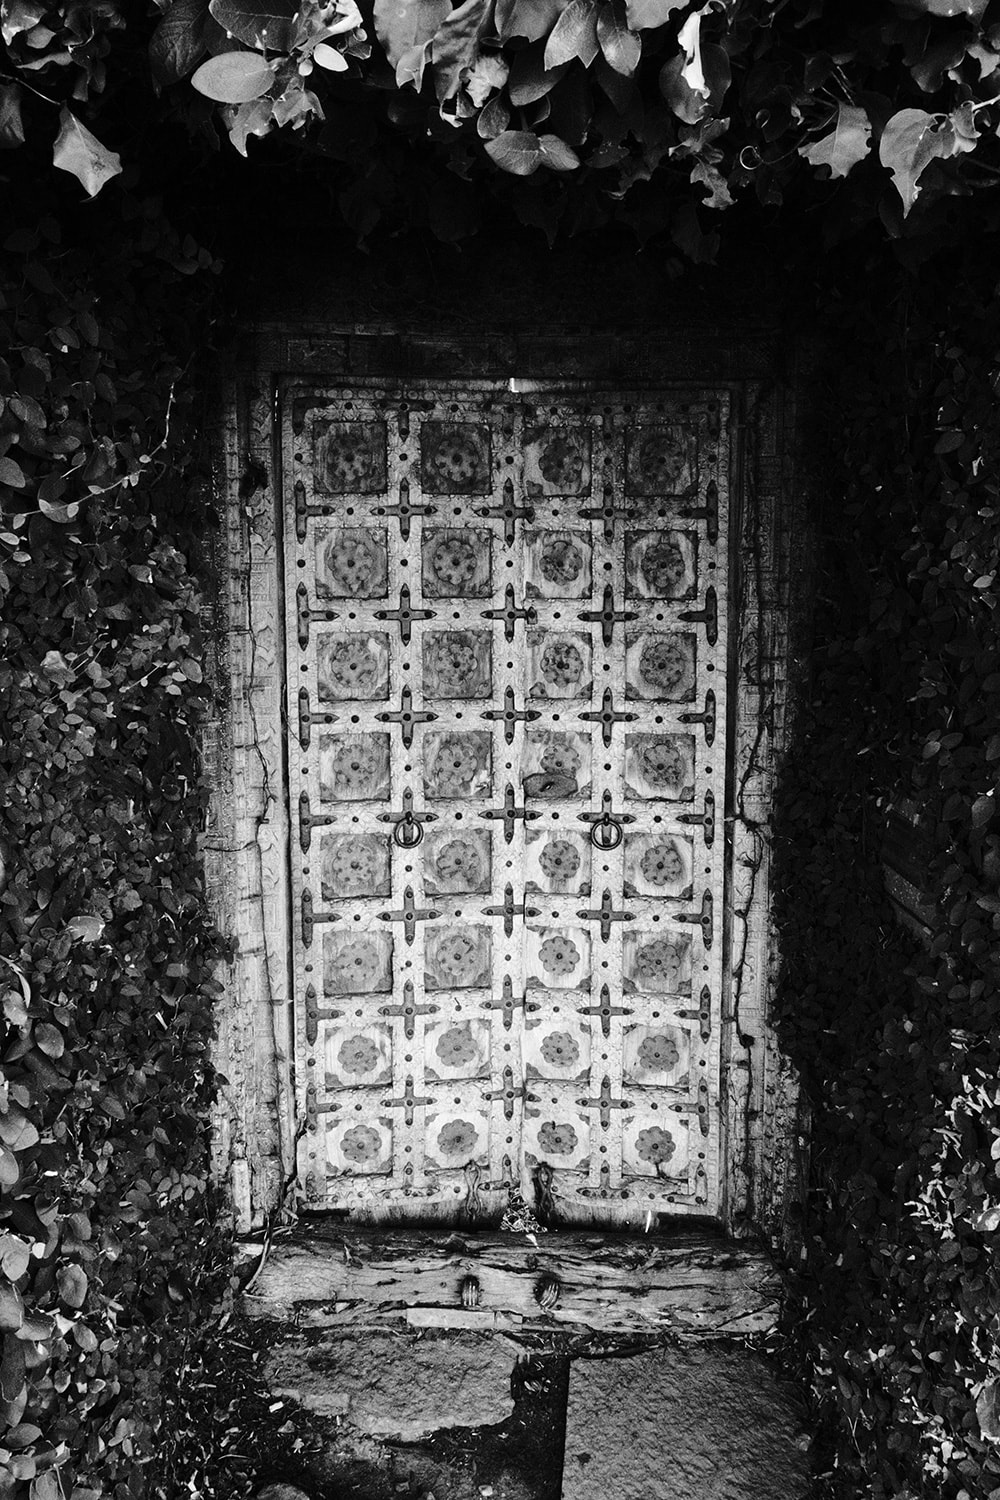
{"x": 687, "y": 104}
{"x": 72, "y": 1283}
{"x": 456, "y": 45}
{"x": 532, "y": 19}
{"x": 20, "y": 15}
{"x": 9, "y": 1169}
{"x": 974, "y": 8}
{"x": 49, "y": 1039}
{"x": 11, "y": 1307}
{"x": 982, "y": 811}
{"x": 11, "y": 473}
{"x": 643, "y": 15}
{"x": 621, "y": 47}
{"x": 85, "y": 928}
{"x": 573, "y": 35}
{"x": 516, "y": 151}
{"x": 178, "y": 43}
{"x": 912, "y": 139}
{"x": 493, "y": 119}
{"x": 233, "y": 78}
{"x": 76, "y": 150}
{"x": 845, "y": 145}
{"x": 988, "y": 1410}
{"x": 245, "y": 120}
{"x": 557, "y": 155}
{"x": 262, "y": 24}
{"x": 403, "y": 25}
{"x": 11, "y": 124}
{"x": 62, "y": 514}
{"x": 329, "y": 57}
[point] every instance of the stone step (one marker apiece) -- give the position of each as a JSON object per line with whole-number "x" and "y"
{"x": 684, "y": 1422}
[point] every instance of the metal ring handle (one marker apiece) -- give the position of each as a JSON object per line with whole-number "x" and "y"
{"x": 402, "y": 841}
{"x": 614, "y": 828}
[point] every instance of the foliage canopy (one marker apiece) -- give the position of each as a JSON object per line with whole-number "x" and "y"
{"x": 571, "y": 112}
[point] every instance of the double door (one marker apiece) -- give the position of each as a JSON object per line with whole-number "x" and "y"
{"x": 506, "y": 707}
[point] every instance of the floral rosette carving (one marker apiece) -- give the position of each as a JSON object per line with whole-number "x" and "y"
{"x": 655, "y": 1145}
{"x": 558, "y": 955}
{"x": 659, "y": 459}
{"x": 660, "y": 960}
{"x": 453, "y": 564}
{"x": 663, "y": 663}
{"x": 457, "y": 1138}
{"x": 356, "y": 768}
{"x": 360, "y": 1144}
{"x": 353, "y": 457}
{"x": 453, "y": 665}
{"x": 455, "y": 765}
{"x": 663, "y": 566}
{"x": 561, "y": 561}
{"x": 455, "y": 1047}
{"x": 562, "y": 663}
{"x": 457, "y": 958}
{"x": 351, "y": 668}
{"x": 661, "y": 763}
{"x": 459, "y": 865}
{"x": 454, "y": 458}
{"x": 354, "y": 866}
{"x": 562, "y": 757}
{"x": 562, "y": 462}
{"x": 662, "y": 864}
{"x": 355, "y": 565}
{"x": 557, "y": 1138}
{"x": 658, "y": 1052}
{"x": 559, "y": 860}
{"x": 561, "y": 1050}
{"x": 358, "y": 1055}
{"x": 356, "y": 967}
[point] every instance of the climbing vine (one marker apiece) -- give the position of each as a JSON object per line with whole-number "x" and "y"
{"x": 896, "y": 1318}
{"x": 658, "y": 113}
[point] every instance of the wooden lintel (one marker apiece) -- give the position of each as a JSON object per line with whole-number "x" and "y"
{"x": 689, "y": 1281}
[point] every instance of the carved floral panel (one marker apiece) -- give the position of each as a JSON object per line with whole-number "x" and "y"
{"x": 660, "y": 565}
{"x": 456, "y": 563}
{"x": 660, "y": 766}
{"x": 352, "y": 562}
{"x": 354, "y": 767}
{"x": 454, "y": 458}
{"x": 660, "y": 461}
{"x": 350, "y": 458}
{"x": 352, "y": 666}
{"x": 357, "y": 1056}
{"x": 354, "y": 864}
{"x": 457, "y": 861}
{"x": 557, "y": 460}
{"x": 458, "y": 957}
{"x": 557, "y": 565}
{"x": 658, "y": 864}
{"x": 555, "y": 764}
{"x": 559, "y": 664}
{"x": 660, "y": 666}
{"x": 558, "y": 862}
{"x": 457, "y": 763}
{"x": 357, "y": 963}
{"x": 656, "y": 962}
{"x": 458, "y": 664}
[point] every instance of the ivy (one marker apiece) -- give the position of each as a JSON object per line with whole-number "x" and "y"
{"x": 896, "y": 1320}
{"x": 108, "y": 960}
{"x": 565, "y": 112}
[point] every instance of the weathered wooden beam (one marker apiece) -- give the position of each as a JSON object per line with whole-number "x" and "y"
{"x": 691, "y": 1280}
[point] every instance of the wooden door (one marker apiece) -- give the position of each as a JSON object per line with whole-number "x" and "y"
{"x": 506, "y": 665}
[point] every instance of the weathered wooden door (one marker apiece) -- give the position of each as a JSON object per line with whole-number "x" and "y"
{"x": 506, "y": 660}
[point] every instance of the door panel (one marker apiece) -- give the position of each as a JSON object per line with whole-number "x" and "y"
{"x": 506, "y": 628}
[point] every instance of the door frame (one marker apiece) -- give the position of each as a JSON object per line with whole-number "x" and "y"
{"x": 246, "y": 837}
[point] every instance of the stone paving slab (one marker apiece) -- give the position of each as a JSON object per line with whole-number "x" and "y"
{"x": 396, "y": 1385}
{"x": 696, "y": 1422}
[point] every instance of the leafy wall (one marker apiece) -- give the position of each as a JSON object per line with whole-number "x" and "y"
{"x": 900, "y": 1299}
{"x": 108, "y": 1237}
